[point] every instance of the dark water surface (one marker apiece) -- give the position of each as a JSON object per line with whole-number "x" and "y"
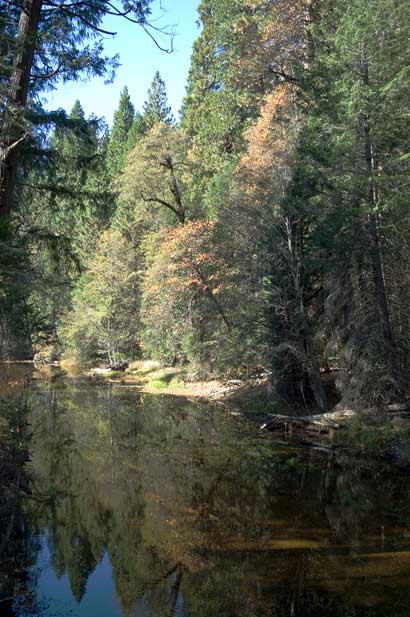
{"x": 137, "y": 505}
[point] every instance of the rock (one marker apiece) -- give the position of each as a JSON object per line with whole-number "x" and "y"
{"x": 119, "y": 365}
{"x": 98, "y": 372}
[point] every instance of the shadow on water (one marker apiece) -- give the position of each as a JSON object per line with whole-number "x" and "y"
{"x": 142, "y": 505}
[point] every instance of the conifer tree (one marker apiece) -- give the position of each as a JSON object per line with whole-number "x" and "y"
{"x": 136, "y": 132}
{"x": 67, "y": 215}
{"x": 43, "y": 42}
{"x": 155, "y": 108}
{"x": 357, "y": 136}
{"x": 122, "y": 123}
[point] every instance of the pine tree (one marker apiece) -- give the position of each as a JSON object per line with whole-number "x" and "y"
{"x": 121, "y": 126}
{"x": 356, "y": 143}
{"x": 67, "y": 215}
{"x": 43, "y": 42}
{"x": 155, "y": 108}
{"x": 77, "y": 154}
{"x": 136, "y": 132}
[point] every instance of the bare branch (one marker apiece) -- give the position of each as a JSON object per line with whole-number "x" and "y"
{"x": 5, "y": 151}
{"x": 162, "y": 202}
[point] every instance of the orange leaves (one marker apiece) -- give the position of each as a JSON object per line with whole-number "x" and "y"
{"x": 273, "y": 37}
{"x": 267, "y": 162}
{"x": 188, "y": 261}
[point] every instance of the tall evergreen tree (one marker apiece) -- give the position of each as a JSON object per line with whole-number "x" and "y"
{"x": 63, "y": 220}
{"x": 46, "y": 42}
{"x": 155, "y": 108}
{"x": 355, "y": 151}
{"x": 121, "y": 126}
{"x": 136, "y": 132}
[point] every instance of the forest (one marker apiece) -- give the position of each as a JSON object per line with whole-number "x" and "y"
{"x": 265, "y": 229}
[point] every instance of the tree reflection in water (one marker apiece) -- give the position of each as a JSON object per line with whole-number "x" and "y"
{"x": 200, "y": 516}
{"x": 17, "y": 548}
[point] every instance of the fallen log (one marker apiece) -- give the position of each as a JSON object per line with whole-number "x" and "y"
{"x": 328, "y": 420}
{"x": 393, "y": 408}
{"x": 389, "y": 409}
{"x": 325, "y": 421}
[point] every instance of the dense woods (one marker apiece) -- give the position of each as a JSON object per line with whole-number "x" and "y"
{"x": 265, "y": 229}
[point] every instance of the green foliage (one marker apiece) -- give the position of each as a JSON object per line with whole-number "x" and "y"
{"x": 135, "y": 133}
{"x": 104, "y": 321}
{"x": 155, "y": 108}
{"x": 356, "y": 137}
{"x": 268, "y": 229}
{"x": 118, "y": 144}
{"x": 18, "y": 317}
{"x": 62, "y": 221}
{"x": 45, "y": 43}
{"x": 152, "y": 189}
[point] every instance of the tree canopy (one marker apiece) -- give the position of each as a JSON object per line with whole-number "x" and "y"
{"x": 266, "y": 231}
{"x": 44, "y": 43}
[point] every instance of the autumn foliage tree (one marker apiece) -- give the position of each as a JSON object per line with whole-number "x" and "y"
{"x": 184, "y": 295}
{"x": 272, "y": 198}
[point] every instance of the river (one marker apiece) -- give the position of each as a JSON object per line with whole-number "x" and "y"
{"x": 141, "y": 505}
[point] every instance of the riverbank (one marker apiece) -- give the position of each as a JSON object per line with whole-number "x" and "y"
{"x": 151, "y": 377}
{"x": 380, "y": 432}
{"x": 376, "y": 432}
{"x": 252, "y": 395}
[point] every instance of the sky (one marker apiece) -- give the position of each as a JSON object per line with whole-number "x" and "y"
{"x": 139, "y": 58}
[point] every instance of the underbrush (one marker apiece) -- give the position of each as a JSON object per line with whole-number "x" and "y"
{"x": 380, "y": 435}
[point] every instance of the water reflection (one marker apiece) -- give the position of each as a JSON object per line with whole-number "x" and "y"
{"x": 155, "y": 506}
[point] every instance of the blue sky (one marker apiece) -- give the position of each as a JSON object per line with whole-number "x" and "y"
{"x": 139, "y": 59}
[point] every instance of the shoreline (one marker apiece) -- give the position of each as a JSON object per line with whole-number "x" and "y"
{"x": 381, "y": 432}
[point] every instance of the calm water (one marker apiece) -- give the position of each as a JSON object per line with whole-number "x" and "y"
{"x": 136, "y": 505}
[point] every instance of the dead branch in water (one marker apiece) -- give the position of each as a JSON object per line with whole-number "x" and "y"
{"x": 326, "y": 421}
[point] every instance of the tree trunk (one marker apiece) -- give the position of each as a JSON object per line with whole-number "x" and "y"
{"x": 212, "y": 297}
{"x": 295, "y": 256}
{"x": 381, "y": 297}
{"x": 315, "y": 378}
{"x": 175, "y": 590}
{"x": 12, "y": 132}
